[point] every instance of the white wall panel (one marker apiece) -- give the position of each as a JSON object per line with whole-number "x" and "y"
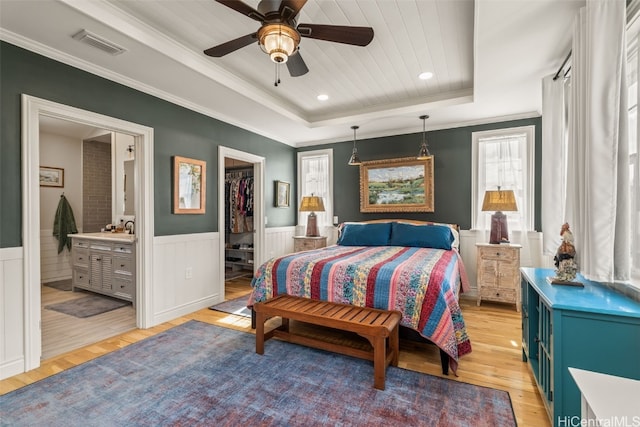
{"x": 177, "y": 257}
{"x": 11, "y": 313}
{"x": 279, "y": 241}
{"x": 53, "y": 265}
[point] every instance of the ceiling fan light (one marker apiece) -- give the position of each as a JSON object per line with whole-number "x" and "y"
{"x": 279, "y": 41}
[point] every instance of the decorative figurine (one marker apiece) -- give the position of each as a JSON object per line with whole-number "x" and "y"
{"x": 566, "y": 267}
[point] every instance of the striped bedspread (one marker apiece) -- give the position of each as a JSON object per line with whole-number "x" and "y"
{"x": 419, "y": 282}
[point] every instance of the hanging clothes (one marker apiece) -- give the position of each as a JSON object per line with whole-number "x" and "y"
{"x": 64, "y": 224}
{"x": 239, "y": 201}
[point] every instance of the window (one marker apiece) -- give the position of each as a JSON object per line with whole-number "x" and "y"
{"x": 634, "y": 147}
{"x": 503, "y": 158}
{"x": 315, "y": 176}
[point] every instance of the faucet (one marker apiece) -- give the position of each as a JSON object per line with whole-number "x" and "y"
{"x": 129, "y": 228}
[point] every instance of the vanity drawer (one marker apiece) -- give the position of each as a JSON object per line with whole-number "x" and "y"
{"x": 80, "y": 277}
{"x": 122, "y": 248}
{"x": 122, "y": 287}
{"x": 123, "y": 265}
{"x": 80, "y": 257}
{"x": 77, "y": 243}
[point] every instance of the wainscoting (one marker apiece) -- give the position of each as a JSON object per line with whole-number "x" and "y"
{"x": 53, "y": 265}
{"x": 11, "y": 312}
{"x": 279, "y": 241}
{"x": 186, "y": 272}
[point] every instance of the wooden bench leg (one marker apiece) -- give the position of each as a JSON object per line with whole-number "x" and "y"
{"x": 394, "y": 345}
{"x": 260, "y": 333}
{"x": 379, "y": 361}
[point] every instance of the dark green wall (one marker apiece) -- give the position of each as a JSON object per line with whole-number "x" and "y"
{"x": 177, "y": 131}
{"x": 452, "y": 174}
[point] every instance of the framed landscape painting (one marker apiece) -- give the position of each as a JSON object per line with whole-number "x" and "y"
{"x": 397, "y": 185}
{"x": 51, "y": 177}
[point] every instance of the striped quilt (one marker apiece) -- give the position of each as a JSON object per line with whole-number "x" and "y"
{"x": 421, "y": 283}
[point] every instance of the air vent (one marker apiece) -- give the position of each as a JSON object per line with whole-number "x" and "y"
{"x": 91, "y": 39}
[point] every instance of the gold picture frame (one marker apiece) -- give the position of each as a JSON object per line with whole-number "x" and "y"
{"x": 51, "y": 177}
{"x": 397, "y": 185}
{"x": 283, "y": 194}
{"x": 189, "y": 185}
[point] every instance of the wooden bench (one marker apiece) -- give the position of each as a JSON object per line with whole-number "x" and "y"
{"x": 373, "y": 324}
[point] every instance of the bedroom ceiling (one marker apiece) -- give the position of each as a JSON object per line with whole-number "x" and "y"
{"x": 487, "y": 56}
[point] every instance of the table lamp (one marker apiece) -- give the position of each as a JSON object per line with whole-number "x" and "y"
{"x": 498, "y": 201}
{"x": 312, "y": 204}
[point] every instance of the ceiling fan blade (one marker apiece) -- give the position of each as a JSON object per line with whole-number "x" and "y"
{"x": 231, "y": 45}
{"x": 243, "y": 8}
{"x": 358, "y": 36}
{"x": 289, "y": 9}
{"x": 296, "y": 65}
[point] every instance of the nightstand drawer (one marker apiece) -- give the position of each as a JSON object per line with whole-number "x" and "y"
{"x": 303, "y": 243}
{"x": 498, "y": 294}
{"x": 500, "y": 254}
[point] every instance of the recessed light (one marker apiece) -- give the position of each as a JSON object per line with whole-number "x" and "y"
{"x": 425, "y": 76}
{"x": 323, "y": 97}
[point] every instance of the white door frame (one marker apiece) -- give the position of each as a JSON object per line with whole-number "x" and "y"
{"x": 32, "y": 109}
{"x": 258, "y": 205}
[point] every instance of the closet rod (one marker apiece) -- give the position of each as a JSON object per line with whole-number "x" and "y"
{"x": 562, "y": 66}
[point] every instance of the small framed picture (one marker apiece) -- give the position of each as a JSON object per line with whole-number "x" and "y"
{"x": 51, "y": 177}
{"x": 282, "y": 194}
{"x": 189, "y": 185}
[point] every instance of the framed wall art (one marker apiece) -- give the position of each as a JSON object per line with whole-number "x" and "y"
{"x": 282, "y": 194}
{"x": 397, "y": 185}
{"x": 189, "y": 185}
{"x": 51, "y": 177}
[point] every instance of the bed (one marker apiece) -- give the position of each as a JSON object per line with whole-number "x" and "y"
{"x": 413, "y": 267}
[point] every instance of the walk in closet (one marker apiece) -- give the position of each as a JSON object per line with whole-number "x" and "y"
{"x": 239, "y": 199}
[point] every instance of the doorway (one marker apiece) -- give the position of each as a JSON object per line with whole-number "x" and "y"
{"x": 241, "y": 239}
{"x": 92, "y": 163}
{"x": 32, "y": 110}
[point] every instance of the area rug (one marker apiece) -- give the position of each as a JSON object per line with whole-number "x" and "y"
{"x": 234, "y": 306}
{"x": 88, "y": 306}
{"x": 61, "y": 285}
{"x": 201, "y": 374}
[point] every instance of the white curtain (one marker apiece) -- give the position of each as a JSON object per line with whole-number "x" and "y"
{"x": 597, "y": 170}
{"x": 554, "y": 161}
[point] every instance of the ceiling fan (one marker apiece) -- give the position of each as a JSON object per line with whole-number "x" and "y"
{"x": 279, "y": 34}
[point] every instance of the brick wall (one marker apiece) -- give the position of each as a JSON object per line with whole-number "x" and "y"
{"x": 96, "y": 185}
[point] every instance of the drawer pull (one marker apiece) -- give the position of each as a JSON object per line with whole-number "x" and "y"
{"x": 121, "y": 265}
{"x": 98, "y": 259}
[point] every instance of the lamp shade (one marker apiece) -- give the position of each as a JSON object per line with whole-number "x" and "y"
{"x": 501, "y": 200}
{"x": 311, "y": 204}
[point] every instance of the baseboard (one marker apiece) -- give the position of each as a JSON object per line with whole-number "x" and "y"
{"x": 11, "y": 368}
{"x": 185, "y": 309}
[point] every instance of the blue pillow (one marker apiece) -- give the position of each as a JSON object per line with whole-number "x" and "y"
{"x": 365, "y": 234}
{"x": 421, "y": 236}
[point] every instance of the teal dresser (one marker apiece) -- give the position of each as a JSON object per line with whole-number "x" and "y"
{"x": 592, "y": 328}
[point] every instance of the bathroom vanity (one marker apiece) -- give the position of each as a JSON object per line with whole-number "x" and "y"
{"x": 105, "y": 263}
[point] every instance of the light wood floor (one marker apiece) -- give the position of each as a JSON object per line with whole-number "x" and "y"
{"x": 495, "y": 361}
{"x": 62, "y": 333}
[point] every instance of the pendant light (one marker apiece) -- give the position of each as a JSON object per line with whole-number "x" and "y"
{"x": 354, "y": 160}
{"x": 424, "y": 149}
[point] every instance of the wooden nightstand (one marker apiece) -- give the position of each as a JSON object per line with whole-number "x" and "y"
{"x": 498, "y": 270}
{"x": 304, "y": 243}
